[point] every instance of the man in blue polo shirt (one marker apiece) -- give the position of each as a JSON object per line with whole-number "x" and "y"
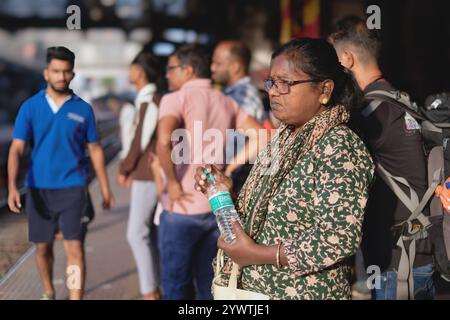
{"x": 59, "y": 126}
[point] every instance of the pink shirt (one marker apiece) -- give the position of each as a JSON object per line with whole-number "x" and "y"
{"x": 199, "y": 107}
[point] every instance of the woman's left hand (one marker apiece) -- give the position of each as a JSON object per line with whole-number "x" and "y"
{"x": 242, "y": 250}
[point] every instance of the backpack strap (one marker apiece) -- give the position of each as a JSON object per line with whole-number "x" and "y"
{"x": 396, "y": 98}
{"x": 373, "y": 105}
{"x": 411, "y": 202}
{"x": 392, "y": 95}
{"x": 156, "y": 99}
{"x": 405, "y": 279}
{"x": 435, "y": 162}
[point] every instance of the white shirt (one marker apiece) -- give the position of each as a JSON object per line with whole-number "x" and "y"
{"x": 127, "y": 127}
{"x": 145, "y": 95}
{"x": 53, "y": 104}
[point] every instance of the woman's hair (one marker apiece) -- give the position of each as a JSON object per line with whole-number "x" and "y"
{"x": 151, "y": 66}
{"x": 318, "y": 59}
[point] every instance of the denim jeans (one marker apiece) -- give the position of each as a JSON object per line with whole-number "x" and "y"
{"x": 424, "y": 288}
{"x": 187, "y": 246}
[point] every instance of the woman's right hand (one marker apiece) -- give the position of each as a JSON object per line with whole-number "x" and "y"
{"x": 201, "y": 180}
{"x": 123, "y": 181}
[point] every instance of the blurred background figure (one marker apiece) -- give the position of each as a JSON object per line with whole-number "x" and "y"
{"x": 230, "y": 68}
{"x": 188, "y": 229}
{"x": 60, "y": 126}
{"x": 127, "y": 127}
{"x": 144, "y": 75}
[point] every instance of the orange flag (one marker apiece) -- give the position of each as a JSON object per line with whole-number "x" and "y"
{"x": 286, "y": 21}
{"x": 311, "y": 20}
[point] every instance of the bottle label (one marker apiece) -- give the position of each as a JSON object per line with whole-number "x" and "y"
{"x": 220, "y": 200}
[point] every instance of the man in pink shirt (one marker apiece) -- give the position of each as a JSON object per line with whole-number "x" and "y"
{"x": 189, "y": 117}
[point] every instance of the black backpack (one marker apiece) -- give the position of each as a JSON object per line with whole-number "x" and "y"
{"x": 419, "y": 232}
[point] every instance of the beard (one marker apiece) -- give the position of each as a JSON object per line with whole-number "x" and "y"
{"x": 61, "y": 89}
{"x": 221, "y": 79}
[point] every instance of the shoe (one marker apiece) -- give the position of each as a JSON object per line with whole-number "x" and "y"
{"x": 155, "y": 295}
{"x": 47, "y": 297}
{"x": 360, "y": 291}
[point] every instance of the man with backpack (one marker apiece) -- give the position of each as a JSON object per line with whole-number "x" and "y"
{"x": 394, "y": 138}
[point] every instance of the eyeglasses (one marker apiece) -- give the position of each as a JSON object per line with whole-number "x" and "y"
{"x": 169, "y": 68}
{"x": 283, "y": 86}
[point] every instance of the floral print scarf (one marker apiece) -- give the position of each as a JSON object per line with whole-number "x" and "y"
{"x": 277, "y": 160}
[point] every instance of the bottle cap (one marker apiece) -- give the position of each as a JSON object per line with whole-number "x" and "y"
{"x": 209, "y": 176}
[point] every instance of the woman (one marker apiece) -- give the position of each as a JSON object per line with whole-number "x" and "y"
{"x": 302, "y": 206}
{"x": 134, "y": 170}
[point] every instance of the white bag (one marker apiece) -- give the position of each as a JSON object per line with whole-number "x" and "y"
{"x": 232, "y": 292}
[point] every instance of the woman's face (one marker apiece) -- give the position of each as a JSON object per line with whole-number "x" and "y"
{"x": 302, "y": 101}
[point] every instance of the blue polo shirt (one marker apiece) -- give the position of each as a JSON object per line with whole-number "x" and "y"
{"x": 59, "y": 137}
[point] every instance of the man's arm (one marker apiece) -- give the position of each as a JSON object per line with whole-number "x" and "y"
{"x": 15, "y": 152}
{"x": 98, "y": 162}
{"x": 164, "y": 145}
{"x": 256, "y": 142}
{"x": 156, "y": 169}
{"x": 166, "y": 126}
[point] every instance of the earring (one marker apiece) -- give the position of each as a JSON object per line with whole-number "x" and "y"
{"x": 324, "y": 101}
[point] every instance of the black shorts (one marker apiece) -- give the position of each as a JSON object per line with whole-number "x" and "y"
{"x": 53, "y": 210}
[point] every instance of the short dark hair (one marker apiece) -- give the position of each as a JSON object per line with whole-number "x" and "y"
{"x": 151, "y": 66}
{"x": 353, "y": 30}
{"x": 241, "y": 52}
{"x": 60, "y": 53}
{"x": 318, "y": 59}
{"x": 196, "y": 57}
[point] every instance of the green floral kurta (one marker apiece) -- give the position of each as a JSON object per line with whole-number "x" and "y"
{"x": 317, "y": 212}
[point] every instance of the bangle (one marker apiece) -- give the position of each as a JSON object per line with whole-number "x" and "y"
{"x": 278, "y": 265}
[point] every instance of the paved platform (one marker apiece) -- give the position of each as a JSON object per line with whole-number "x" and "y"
{"x": 111, "y": 271}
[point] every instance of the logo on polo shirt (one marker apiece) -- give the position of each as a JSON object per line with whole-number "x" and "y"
{"x": 75, "y": 117}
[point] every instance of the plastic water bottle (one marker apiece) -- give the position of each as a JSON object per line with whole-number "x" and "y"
{"x": 223, "y": 207}
{"x": 443, "y": 192}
